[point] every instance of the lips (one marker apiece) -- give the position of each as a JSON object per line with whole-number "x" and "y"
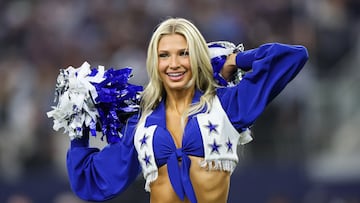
{"x": 176, "y": 76}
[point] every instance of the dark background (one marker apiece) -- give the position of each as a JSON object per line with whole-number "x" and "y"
{"x": 306, "y": 145}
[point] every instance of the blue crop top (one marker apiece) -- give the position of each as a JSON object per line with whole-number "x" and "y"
{"x": 164, "y": 143}
{"x": 100, "y": 175}
{"x": 164, "y": 151}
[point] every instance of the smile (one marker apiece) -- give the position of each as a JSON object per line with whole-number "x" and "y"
{"x": 176, "y": 77}
{"x": 175, "y": 74}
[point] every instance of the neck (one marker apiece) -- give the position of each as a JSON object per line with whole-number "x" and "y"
{"x": 179, "y": 101}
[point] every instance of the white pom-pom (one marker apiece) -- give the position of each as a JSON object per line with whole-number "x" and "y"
{"x": 224, "y": 48}
{"x": 76, "y": 95}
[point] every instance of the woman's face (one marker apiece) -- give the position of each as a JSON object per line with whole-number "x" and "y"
{"x": 174, "y": 62}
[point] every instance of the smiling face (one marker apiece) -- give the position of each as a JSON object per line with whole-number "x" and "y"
{"x": 174, "y": 62}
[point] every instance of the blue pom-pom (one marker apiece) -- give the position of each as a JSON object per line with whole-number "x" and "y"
{"x": 117, "y": 100}
{"x": 217, "y": 64}
{"x": 94, "y": 100}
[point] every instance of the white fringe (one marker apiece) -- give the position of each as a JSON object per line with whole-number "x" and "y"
{"x": 245, "y": 137}
{"x": 151, "y": 177}
{"x": 220, "y": 165}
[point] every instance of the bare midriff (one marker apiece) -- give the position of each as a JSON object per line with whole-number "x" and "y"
{"x": 210, "y": 186}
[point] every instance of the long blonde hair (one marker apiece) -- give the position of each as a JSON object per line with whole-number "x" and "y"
{"x": 202, "y": 73}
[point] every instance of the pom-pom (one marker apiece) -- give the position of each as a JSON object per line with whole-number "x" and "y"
{"x": 219, "y": 51}
{"x": 95, "y": 99}
{"x": 116, "y": 101}
{"x": 75, "y": 109}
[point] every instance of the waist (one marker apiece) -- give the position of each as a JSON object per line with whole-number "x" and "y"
{"x": 209, "y": 185}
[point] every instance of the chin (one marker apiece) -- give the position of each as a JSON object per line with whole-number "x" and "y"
{"x": 180, "y": 86}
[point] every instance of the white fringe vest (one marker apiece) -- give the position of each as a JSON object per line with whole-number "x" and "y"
{"x": 220, "y": 140}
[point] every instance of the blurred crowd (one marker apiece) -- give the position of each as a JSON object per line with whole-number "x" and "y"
{"x": 313, "y": 125}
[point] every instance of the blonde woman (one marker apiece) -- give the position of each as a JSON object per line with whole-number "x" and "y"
{"x": 184, "y": 141}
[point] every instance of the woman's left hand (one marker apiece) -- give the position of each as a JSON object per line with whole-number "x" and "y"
{"x": 229, "y": 67}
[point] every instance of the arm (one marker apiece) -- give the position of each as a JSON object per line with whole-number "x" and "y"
{"x": 229, "y": 67}
{"x": 100, "y": 175}
{"x": 271, "y": 67}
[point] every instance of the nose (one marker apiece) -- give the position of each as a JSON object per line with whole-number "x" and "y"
{"x": 174, "y": 62}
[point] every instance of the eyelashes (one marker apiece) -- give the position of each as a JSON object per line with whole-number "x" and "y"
{"x": 166, "y": 54}
{"x": 184, "y": 53}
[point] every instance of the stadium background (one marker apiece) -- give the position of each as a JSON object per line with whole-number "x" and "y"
{"x": 307, "y": 144}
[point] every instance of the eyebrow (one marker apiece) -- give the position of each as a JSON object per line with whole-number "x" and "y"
{"x": 182, "y": 49}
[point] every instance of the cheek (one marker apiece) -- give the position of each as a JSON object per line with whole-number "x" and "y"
{"x": 161, "y": 66}
{"x": 186, "y": 63}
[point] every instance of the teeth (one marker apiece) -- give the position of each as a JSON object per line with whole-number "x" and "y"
{"x": 174, "y": 74}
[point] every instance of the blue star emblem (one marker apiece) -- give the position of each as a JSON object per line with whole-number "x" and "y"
{"x": 229, "y": 145}
{"x": 146, "y": 159}
{"x": 212, "y": 127}
{"x": 143, "y": 140}
{"x": 215, "y": 147}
